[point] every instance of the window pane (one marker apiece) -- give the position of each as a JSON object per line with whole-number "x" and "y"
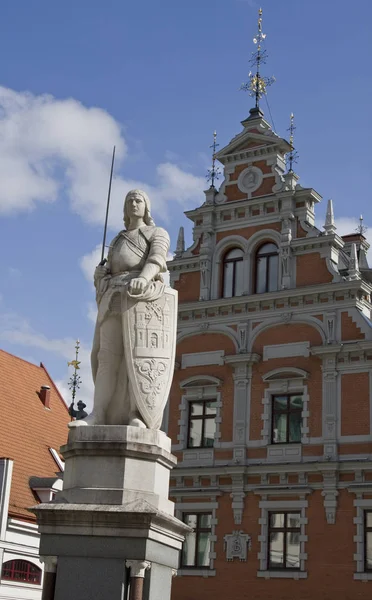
{"x": 295, "y": 420}
{"x": 210, "y": 408}
{"x": 234, "y": 253}
{"x": 205, "y": 521}
{"x": 267, "y": 249}
{"x": 279, "y": 428}
{"x": 196, "y": 408}
{"x": 277, "y": 520}
{"x": 293, "y": 552}
{"x": 272, "y": 283}
{"x": 209, "y": 431}
{"x": 260, "y": 275}
{"x": 296, "y": 402}
{"x": 280, "y": 403}
{"x": 195, "y": 435}
{"x": 369, "y": 519}
{"x": 293, "y": 520}
{"x": 239, "y": 278}
{"x": 188, "y": 550}
{"x": 369, "y": 550}
{"x": 204, "y": 548}
{"x": 276, "y": 551}
{"x": 228, "y": 280}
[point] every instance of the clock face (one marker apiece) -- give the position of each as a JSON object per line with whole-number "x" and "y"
{"x": 250, "y": 179}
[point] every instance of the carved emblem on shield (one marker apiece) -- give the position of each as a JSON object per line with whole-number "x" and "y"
{"x": 152, "y": 328}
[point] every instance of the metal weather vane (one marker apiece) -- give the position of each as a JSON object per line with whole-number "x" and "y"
{"x": 75, "y": 379}
{"x": 362, "y": 229}
{"x": 257, "y": 84}
{"x": 293, "y": 155}
{"x": 214, "y": 172}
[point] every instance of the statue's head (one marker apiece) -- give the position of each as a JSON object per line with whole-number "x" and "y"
{"x": 81, "y": 405}
{"x": 148, "y": 220}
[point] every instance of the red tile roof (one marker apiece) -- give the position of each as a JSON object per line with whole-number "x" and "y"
{"x": 27, "y": 428}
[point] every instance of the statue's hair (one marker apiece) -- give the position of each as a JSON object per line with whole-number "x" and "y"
{"x": 147, "y": 218}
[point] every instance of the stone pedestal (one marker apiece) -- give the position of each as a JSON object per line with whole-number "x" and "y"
{"x": 111, "y": 528}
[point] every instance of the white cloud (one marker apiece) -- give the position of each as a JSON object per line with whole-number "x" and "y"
{"x": 50, "y": 146}
{"x": 89, "y": 262}
{"x": 16, "y": 330}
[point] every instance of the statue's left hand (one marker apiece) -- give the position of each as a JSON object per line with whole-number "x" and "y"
{"x": 138, "y": 285}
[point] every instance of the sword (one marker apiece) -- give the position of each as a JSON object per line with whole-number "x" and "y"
{"x": 103, "y": 260}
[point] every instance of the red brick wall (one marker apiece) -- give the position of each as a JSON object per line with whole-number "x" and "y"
{"x": 349, "y": 329}
{"x": 311, "y": 269}
{"x": 188, "y": 287}
{"x": 355, "y": 404}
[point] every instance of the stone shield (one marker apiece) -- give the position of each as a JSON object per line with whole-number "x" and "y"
{"x": 151, "y": 328}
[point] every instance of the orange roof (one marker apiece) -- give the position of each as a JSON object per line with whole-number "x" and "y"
{"x": 27, "y": 428}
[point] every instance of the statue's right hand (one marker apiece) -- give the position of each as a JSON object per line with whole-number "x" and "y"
{"x": 101, "y": 271}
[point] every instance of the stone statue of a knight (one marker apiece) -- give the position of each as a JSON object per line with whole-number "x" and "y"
{"x": 134, "y": 342}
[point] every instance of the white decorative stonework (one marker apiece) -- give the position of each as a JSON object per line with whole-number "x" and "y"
{"x": 138, "y": 568}
{"x": 237, "y": 545}
{"x": 250, "y": 180}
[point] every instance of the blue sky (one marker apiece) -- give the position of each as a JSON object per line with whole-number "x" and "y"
{"x": 154, "y": 78}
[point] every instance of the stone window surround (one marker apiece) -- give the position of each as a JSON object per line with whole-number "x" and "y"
{"x": 292, "y": 384}
{"x": 207, "y": 390}
{"x": 361, "y": 504}
{"x": 200, "y": 507}
{"x": 249, "y": 247}
{"x": 278, "y": 506}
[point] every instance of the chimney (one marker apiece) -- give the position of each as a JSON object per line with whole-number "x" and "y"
{"x": 44, "y": 395}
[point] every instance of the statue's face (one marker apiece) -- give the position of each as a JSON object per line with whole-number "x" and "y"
{"x": 136, "y": 206}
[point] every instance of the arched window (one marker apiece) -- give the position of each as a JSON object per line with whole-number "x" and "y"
{"x": 232, "y": 284}
{"x": 21, "y": 570}
{"x": 267, "y": 266}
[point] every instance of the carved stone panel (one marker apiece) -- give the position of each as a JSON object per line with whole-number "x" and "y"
{"x": 237, "y": 545}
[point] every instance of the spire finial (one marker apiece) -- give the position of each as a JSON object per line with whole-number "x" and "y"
{"x": 362, "y": 229}
{"x": 75, "y": 379}
{"x": 293, "y": 155}
{"x": 329, "y": 224}
{"x": 354, "y": 272}
{"x": 256, "y": 86}
{"x": 213, "y": 173}
{"x": 180, "y": 247}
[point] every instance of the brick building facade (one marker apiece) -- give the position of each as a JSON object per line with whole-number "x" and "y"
{"x": 270, "y": 408}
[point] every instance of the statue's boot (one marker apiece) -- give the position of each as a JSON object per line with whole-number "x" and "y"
{"x": 135, "y": 421}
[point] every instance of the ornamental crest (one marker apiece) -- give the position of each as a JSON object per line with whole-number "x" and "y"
{"x": 152, "y": 328}
{"x": 237, "y": 545}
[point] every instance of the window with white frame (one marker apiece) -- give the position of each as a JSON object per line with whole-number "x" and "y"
{"x": 200, "y": 416}
{"x": 197, "y": 546}
{"x": 202, "y": 424}
{"x": 284, "y": 531}
{"x": 21, "y": 571}
{"x": 283, "y": 538}
{"x": 368, "y": 541}
{"x": 233, "y": 271}
{"x": 285, "y": 407}
{"x": 286, "y": 420}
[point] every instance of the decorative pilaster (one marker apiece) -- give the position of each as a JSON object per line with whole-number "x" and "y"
{"x": 286, "y": 253}
{"x": 330, "y": 494}
{"x": 138, "y": 570}
{"x": 50, "y": 573}
{"x": 238, "y": 496}
{"x": 330, "y": 406}
{"x": 206, "y": 250}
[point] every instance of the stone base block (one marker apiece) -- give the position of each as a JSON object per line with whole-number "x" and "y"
{"x": 115, "y": 464}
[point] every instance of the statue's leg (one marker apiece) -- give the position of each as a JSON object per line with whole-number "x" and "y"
{"x": 135, "y": 417}
{"x": 110, "y": 356}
